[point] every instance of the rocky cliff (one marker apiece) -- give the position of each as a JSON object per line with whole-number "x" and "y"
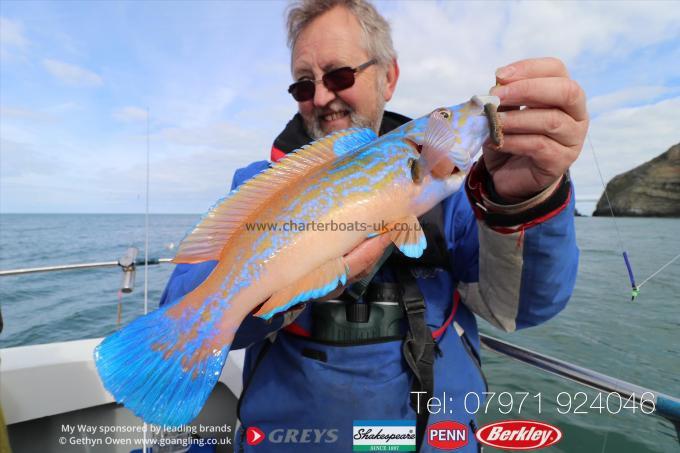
{"x": 650, "y": 190}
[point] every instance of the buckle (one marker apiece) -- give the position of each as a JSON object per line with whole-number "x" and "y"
{"x": 414, "y": 306}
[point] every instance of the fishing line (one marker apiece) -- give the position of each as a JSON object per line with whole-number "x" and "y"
{"x": 660, "y": 269}
{"x": 635, "y": 288}
{"x": 146, "y": 246}
{"x": 146, "y": 222}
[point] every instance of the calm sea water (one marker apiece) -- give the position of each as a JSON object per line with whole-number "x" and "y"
{"x": 601, "y": 328}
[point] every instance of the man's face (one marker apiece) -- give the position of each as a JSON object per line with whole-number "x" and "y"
{"x": 331, "y": 41}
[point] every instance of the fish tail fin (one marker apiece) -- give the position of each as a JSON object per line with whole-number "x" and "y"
{"x": 164, "y": 365}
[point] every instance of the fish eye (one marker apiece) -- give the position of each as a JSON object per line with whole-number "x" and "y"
{"x": 445, "y": 114}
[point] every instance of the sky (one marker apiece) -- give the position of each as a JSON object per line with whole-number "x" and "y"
{"x": 78, "y": 78}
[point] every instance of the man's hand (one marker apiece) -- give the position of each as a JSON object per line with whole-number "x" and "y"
{"x": 361, "y": 260}
{"x": 542, "y": 140}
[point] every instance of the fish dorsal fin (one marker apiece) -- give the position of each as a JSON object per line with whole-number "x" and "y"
{"x": 207, "y": 240}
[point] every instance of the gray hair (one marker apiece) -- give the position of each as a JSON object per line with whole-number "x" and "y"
{"x": 377, "y": 39}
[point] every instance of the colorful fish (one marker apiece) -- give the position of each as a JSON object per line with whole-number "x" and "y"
{"x": 276, "y": 245}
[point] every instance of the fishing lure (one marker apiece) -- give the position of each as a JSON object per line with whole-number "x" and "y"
{"x": 163, "y": 366}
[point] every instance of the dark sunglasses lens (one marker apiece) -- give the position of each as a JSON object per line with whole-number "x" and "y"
{"x": 302, "y": 91}
{"x": 339, "y": 79}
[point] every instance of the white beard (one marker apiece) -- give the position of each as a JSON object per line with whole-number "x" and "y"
{"x": 315, "y": 131}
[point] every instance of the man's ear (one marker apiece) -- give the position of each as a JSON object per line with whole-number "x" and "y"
{"x": 392, "y": 77}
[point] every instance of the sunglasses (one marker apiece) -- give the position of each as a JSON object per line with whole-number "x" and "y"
{"x": 335, "y": 80}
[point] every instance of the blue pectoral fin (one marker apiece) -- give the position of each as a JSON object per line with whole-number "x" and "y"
{"x": 159, "y": 369}
{"x": 407, "y": 234}
{"x": 314, "y": 285}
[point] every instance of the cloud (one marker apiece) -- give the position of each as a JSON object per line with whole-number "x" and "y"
{"x": 448, "y": 51}
{"x": 188, "y": 181}
{"x": 623, "y": 139}
{"x": 626, "y": 97}
{"x": 219, "y": 135}
{"x": 20, "y": 113}
{"x": 130, "y": 114}
{"x": 12, "y": 38}
{"x": 72, "y": 74}
{"x": 193, "y": 105}
{"x": 20, "y": 160}
{"x": 12, "y": 34}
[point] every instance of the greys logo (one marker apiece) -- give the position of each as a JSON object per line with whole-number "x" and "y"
{"x": 303, "y": 436}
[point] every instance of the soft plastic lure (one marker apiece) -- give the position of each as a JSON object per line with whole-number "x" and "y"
{"x": 163, "y": 366}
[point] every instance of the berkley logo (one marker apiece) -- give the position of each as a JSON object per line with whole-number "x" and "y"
{"x": 519, "y": 435}
{"x": 447, "y": 435}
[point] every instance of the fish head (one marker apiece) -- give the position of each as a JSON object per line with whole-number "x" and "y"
{"x": 454, "y": 135}
{"x": 448, "y": 140}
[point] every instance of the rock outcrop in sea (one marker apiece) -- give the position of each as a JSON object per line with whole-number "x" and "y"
{"x": 649, "y": 190}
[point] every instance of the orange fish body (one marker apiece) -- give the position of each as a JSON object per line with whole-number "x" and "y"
{"x": 279, "y": 240}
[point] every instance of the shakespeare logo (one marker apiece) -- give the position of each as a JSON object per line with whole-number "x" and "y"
{"x": 384, "y": 435}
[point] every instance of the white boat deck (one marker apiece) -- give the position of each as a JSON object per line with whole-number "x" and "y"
{"x": 46, "y": 387}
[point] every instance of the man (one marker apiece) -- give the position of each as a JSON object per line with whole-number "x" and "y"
{"x": 504, "y": 248}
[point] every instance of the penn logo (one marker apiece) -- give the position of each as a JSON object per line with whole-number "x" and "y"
{"x": 254, "y": 435}
{"x": 447, "y": 435}
{"x": 519, "y": 435}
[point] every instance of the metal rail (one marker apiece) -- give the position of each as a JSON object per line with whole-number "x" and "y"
{"x": 69, "y": 267}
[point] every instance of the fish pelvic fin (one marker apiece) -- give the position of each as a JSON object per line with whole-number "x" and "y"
{"x": 210, "y": 236}
{"x": 407, "y": 234}
{"x": 163, "y": 366}
{"x": 316, "y": 284}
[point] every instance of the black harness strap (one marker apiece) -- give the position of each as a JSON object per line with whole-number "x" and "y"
{"x": 263, "y": 351}
{"x": 418, "y": 349}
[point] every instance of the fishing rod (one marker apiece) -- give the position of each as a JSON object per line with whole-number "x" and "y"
{"x": 657, "y": 403}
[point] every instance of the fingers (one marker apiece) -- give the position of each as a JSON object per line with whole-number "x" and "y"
{"x": 552, "y": 123}
{"x": 530, "y": 69}
{"x": 556, "y": 92}
{"x": 550, "y": 157}
{"x": 360, "y": 262}
{"x": 543, "y": 139}
{"x": 366, "y": 255}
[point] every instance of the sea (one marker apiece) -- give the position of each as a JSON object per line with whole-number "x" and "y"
{"x": 601, "y": 328}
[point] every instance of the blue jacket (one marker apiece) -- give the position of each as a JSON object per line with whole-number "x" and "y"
{"x": 513, "y": 275}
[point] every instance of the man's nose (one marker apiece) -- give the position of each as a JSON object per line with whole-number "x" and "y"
{"x": 322, "y": 95}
